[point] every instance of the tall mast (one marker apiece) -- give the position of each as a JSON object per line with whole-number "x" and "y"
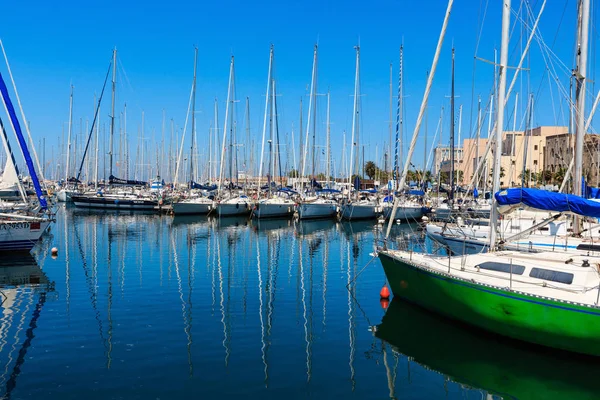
{"x": 126, "y": 141}
{"x": 311, "y": 104}
{"x": 328, "y": 145}
{"x": 451, "y": 194}
{"x": 301, "y": 158}
{"x": 581, "y": 75}
{"x": 389, "y": 151}
{"x": 264, "y": 133}
{"x": 193, "y": 116}
{"x": 162, "y": 141}
{"x": 398, "y": 141}
{"x": 401, "y": 102}
{"x": 97, "y": 149}
{"x": 314, "y": 116}
{"x": 246, "y": 163}
{"x": 476, "y": 180}
{"x": 112, "y": 113}
{"x": 225, "y": 127}
{"x": 69, "y": 137}
{"x": 354, "y": 166}
{"x": 500, "y": 117}
{"x": 422, "y": 109}
{"x": 216, "y": 138}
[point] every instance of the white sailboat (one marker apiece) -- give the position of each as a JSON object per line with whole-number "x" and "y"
{"x": 314, "y": 205}
{"x": 231, "y": 201}
{"x": 359, "y": 206}
{"x": 64, "y": 194}
{"x": 407, "y": 209}
{"x": 20, "y": 229}
{"x": 197, "y": 204}
{"x": 278, "y": 203}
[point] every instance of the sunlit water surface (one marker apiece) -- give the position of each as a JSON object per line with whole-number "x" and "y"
{"x": 155, "y": 307}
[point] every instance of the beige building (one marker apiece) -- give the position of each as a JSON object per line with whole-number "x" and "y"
{"x": 441, "y": 161}
{"x": 559, "y": 152}
{"x": 514, "y": 161}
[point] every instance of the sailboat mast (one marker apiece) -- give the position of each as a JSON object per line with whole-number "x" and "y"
{"x": 246, "y": 163}
{"x": 192, "y": 177}
{"x": 314, "y": 116}
{"x": 328, "y": 145}
{"x": 223, "y": 147}
{"x": 422, "y": 109}
{"x": 97, "y": 149}
{"x": 69, "y": 136}
{"x": 389, "y": 152}
{"x": 354, "y": 112}
{"x": 310, "y": 108}
{"x": 476, "y": 180}
{"x": 581, "y": 75}
{"x": 264, "y": 133}
{"x": 451, "y": 194}
{"x": 500, "y": 118}
{"x": 216, "y": 138}
{"x": 112, "y": 113}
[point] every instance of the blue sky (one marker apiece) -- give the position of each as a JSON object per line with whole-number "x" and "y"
{"x": 51, "y": 45}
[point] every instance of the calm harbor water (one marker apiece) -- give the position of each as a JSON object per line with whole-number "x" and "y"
{"x": 154, "y": 307}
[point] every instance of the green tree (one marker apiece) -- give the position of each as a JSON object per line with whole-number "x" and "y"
{"x": 525, "y": 176}
{"x": 444, "y": 178}
{"x": 559, "y": 175}
{"x": 370, "y": 169}
{"x": 321, "y": 176}
{"x": 459, "y": 175}
{"x": 293, "y": 173}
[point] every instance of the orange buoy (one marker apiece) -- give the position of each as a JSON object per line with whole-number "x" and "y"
{"x": 384, "y": 303}
{"x": 385, "y": 292}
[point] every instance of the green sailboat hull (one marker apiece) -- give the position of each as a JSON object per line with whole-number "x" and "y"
{"x": 537, "y": 320}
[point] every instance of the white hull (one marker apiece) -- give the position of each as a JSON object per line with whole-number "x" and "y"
{"x": 64, "y": 196}
{"x": 404, "y": 212}
{"x": 359, "y": 211}
{"x": 460, "y": 240}
{"x": 273, "y": 210}
{"x": 232, "y": 209}
{"x": 316, "y": 210}
{"x": 190, "y": 208}
{"x": 21, "y": 235}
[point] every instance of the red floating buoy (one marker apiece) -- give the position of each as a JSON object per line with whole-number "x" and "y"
{"x": 385, "y": 292}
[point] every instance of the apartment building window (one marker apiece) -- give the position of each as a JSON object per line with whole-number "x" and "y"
{"x": 513, "y": 162}
{"x": 535, "y": 147}
{"x": 535, "y": 162}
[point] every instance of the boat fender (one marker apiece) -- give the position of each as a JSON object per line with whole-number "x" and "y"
{"x": 237, "y": 205}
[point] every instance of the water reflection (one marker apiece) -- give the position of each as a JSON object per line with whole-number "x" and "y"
{"x": 493, "y": 366}
{"x": 225, "y": 307}
{"x": 24, "y": 290}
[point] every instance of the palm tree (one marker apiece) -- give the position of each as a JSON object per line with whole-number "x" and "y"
{"x": 526, "y": 177}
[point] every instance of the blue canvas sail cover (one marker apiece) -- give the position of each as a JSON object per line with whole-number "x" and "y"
{"x": 590, "y": 192}
{"x": 511, "y": 199}
{"x": 194, "y": 185}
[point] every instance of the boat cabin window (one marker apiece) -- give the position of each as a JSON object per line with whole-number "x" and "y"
{"x": 588, "y": 247}
{"x": 550, "y": 275}
{"x": 502, "y": 267}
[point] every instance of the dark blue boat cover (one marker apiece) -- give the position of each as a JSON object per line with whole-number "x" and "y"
{"x": 511, "y": 199}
